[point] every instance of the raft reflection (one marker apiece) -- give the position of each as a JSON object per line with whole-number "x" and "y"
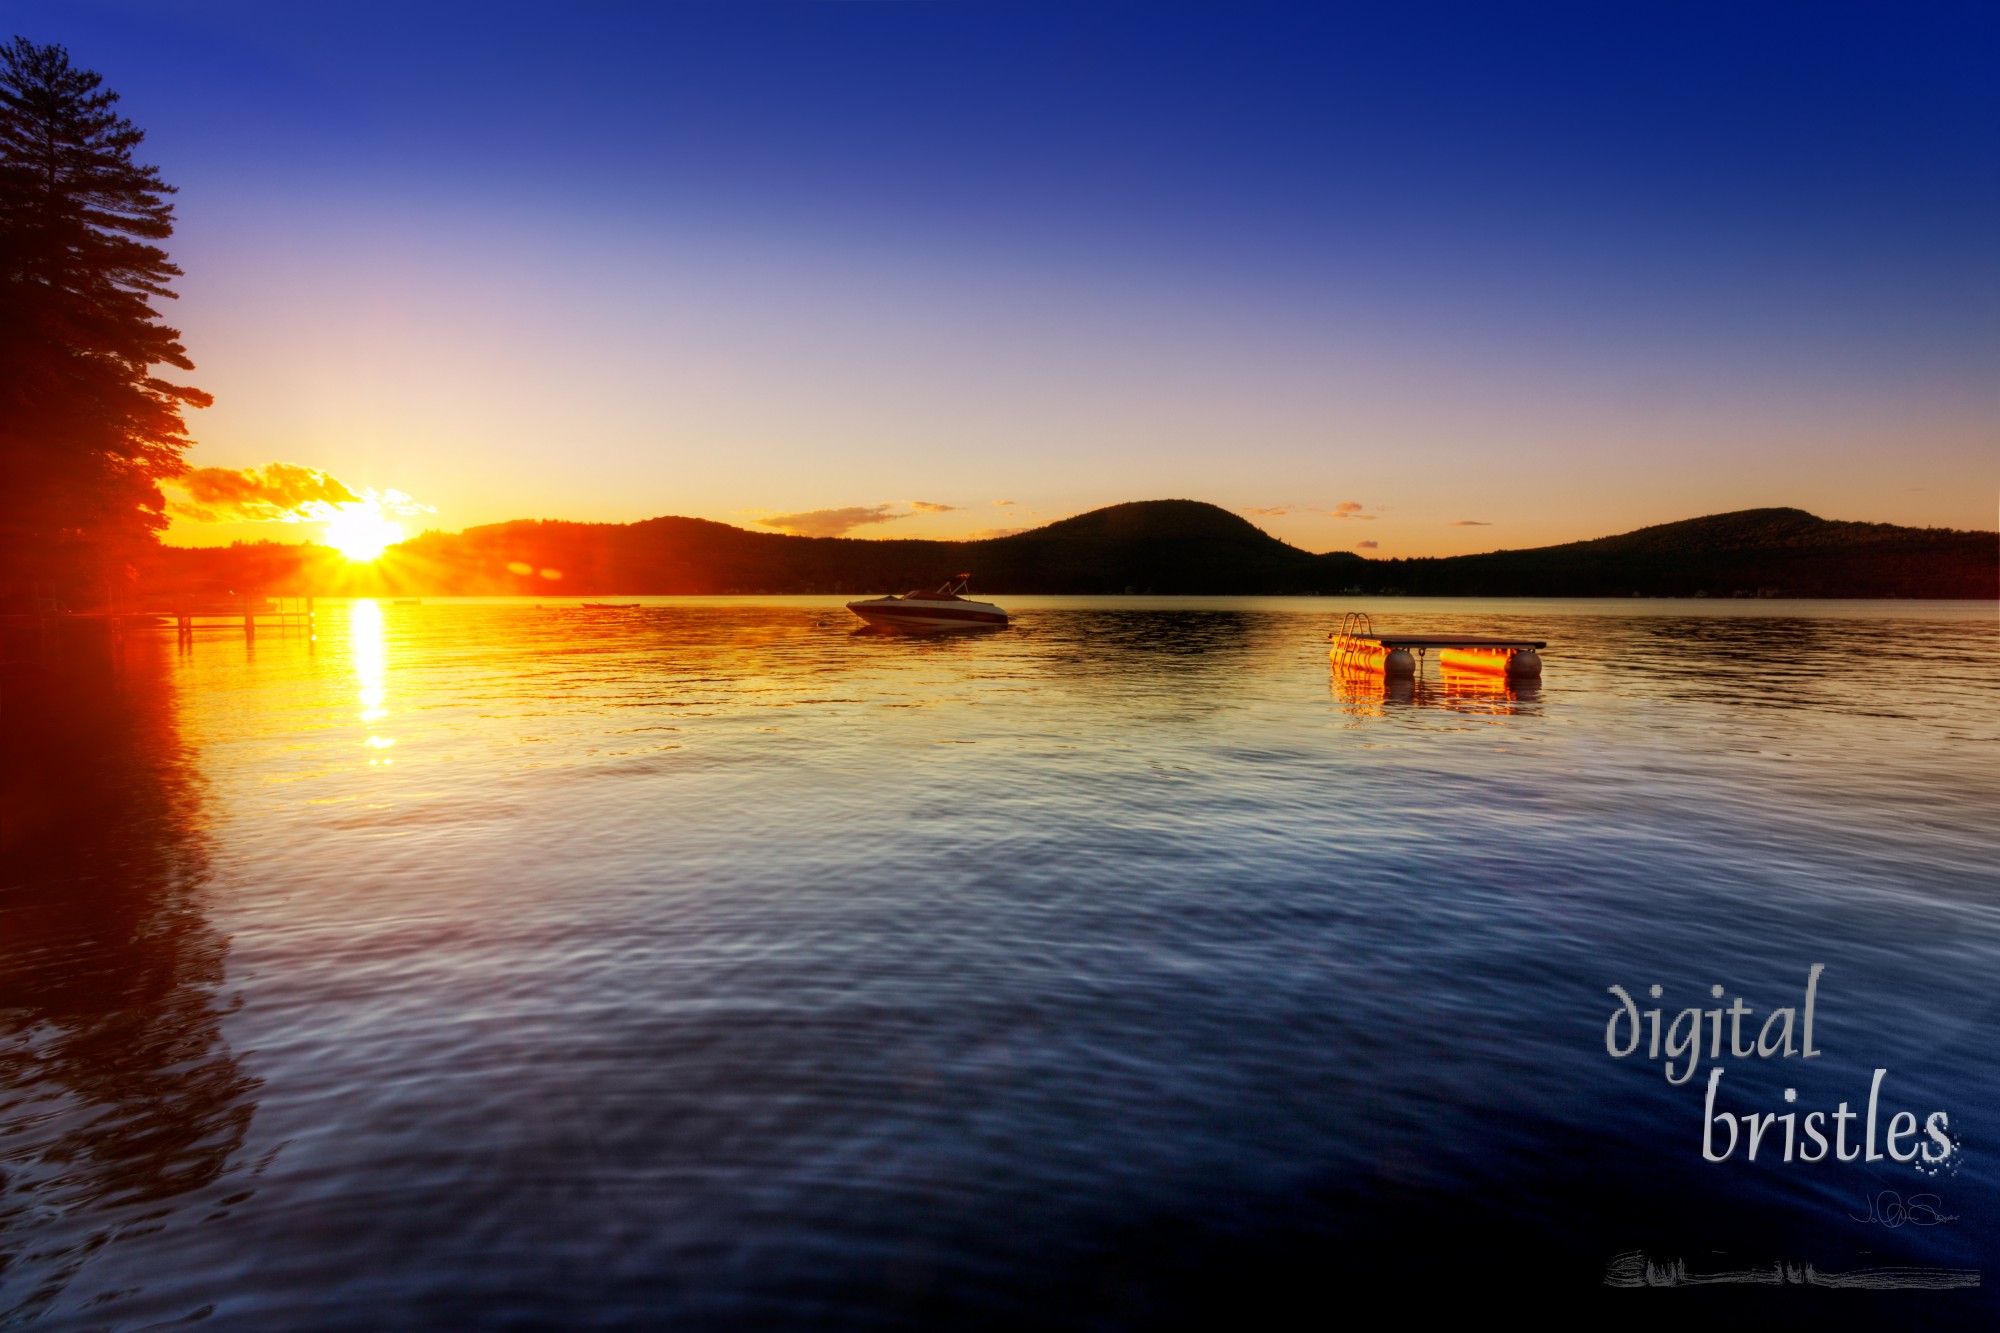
{"x": 1483, "y": 694}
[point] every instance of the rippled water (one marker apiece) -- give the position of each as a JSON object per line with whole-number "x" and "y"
{"x": 709, "y": 965}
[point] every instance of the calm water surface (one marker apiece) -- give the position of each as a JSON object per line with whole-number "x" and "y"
{"x": 709, "y": 965}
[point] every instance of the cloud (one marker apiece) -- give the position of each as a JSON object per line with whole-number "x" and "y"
{"x": 988, "y": 534}
{"x": 839, "y": 522}
{"x": 831, "y": 522}
{"x": 1006, "y": 502}
{"x": 1345, "y": 509}
{"x": 1470, "y": 523}
{"x": 1366, "y": 546}
{"x": 270, "y": 494}
{"x": 280, "y": 493}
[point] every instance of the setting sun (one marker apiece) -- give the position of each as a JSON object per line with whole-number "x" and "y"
{"x": 359, "y": 531}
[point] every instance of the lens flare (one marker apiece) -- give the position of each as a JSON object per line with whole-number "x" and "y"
{"x": 359, "y": 530}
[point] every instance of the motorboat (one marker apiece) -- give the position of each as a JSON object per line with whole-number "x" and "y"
{"x": 945, "y": 609}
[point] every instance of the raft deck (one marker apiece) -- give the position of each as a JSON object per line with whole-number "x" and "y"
{"x": 1446, "y": 641}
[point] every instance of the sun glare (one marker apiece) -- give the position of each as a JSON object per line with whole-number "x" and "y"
{"x": 358, "y": 530}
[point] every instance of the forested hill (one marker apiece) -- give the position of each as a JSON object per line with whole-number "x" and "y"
{"x": 1773, "y": 552}
{"x": 1180, "y": 546}
{"x": 1160, "y": 546}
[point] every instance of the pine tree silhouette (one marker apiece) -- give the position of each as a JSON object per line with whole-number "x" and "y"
{"x": 87, "y": 430}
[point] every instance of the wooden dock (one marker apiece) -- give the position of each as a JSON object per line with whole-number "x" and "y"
{"x": 52, "y": 628}
{"x": 283, "y": 614}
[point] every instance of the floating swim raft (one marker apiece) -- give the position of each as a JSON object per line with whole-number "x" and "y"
{"x": 1357, "y": 647}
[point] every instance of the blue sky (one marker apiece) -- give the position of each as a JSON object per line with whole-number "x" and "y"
{"x": 1498, "y": 274}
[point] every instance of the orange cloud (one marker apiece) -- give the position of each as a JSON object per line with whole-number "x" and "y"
{"x": 1366, "y": 546}
{"x": 840, "y": 522}
{"x": 988, "y": 534}
{"x": 284, "y": 493}
{"x": 1470, "y": 523}
{"x": 831, "y": 522}
{"x": 257, "y": 495}
{"x": 1345, "y": 509}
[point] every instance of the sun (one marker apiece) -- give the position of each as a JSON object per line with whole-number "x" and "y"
{"x": 358, "y": 530}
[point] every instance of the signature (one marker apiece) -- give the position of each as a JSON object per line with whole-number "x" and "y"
{"x": 1635, "y": 1269}
{"x": 1892, "y": 1210}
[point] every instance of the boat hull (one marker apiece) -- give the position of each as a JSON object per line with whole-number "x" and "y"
{"x": 908, "y": 615}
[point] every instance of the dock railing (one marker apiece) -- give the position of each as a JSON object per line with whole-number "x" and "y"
{"x": 285, "y": 614}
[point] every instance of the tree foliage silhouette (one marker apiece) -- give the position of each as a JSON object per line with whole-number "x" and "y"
{"x": 87, "y": 430}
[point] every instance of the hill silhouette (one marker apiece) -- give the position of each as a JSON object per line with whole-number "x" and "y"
{"x": 1773, "y": 552}
{"x": 1159, "y": 546}
{"x": 1181, "y": 546}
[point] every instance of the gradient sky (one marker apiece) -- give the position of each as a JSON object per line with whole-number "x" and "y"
{"x": 1491, "y": 274}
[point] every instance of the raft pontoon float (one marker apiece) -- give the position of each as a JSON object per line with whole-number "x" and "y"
{"x": 1357, "y": 647}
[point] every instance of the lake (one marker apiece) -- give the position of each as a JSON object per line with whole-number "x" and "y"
{"x": 707, "y": 964}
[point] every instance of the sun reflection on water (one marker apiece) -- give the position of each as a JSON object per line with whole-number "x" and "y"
{"x": 369, "y": 645}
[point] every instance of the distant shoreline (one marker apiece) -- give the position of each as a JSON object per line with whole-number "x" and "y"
{"x": 1158, "y": 547}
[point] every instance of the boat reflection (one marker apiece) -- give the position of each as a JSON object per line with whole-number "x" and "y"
{"x": 926, "y": 632}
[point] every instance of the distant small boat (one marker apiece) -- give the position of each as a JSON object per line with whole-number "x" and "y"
{"x": 609, "y": 606}
{"x": 944, "y": 609}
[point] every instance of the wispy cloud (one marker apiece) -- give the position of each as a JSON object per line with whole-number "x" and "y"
{"x": 840, "y": 522}
{"x": 831, "y": 522}
{"x": 988, "y": 534}
{"x": 1345, "y": 509}
{"x": 1006, "y": 502}
{"x": 1366, "y": 546}
{"x": 1470, "y": 523}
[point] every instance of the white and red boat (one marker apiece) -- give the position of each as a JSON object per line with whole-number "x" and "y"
{"x": 930, "y": 611}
